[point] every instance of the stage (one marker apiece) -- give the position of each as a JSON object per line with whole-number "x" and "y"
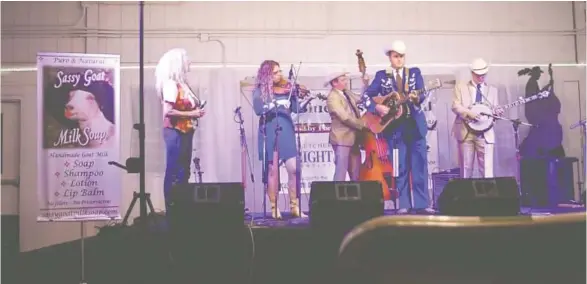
{"x": 266, "y": 251}
{"x": 256, "y": 220}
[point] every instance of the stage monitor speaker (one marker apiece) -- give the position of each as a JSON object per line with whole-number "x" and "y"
{"x": 343, "y": 205}
{"x": 207, "y": 205}
{"x": 206, "y": 224}
{"x": 480, "y": 197}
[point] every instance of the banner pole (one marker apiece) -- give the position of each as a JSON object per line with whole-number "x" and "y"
{"x": 83, "y": 253}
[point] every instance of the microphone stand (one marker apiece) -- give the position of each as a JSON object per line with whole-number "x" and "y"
{"x": 198, "y": 171}
{"x": 276, "y": 161}
{"x": 244, "y": 150}
{"x": 583, "y": 125}
{"x": 265, "y": 162}
{"x": 515, "y": 124}
{"x": 265, "y": 176}
{"x": 299, "y": 108}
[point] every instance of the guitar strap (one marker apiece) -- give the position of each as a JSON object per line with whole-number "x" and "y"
{"x": 192, "y": 93}
{"x": 406, "y": 80}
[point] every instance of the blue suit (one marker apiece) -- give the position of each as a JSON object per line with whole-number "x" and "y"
{"x": 409, "y": 137}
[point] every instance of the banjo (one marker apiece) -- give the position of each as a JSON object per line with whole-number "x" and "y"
{"x": 486, "y": 119}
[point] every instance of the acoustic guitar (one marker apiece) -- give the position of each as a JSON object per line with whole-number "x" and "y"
{"x": 398, "y": 107}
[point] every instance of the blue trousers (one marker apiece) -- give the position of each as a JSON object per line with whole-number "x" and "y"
{"x": 413, "y": 159}
{"x": 178, "y": 147}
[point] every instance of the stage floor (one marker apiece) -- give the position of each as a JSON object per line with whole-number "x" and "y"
{"x": 256, "y": 220}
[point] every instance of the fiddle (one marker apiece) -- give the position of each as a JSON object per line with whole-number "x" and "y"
{"x": 283, "y": 87}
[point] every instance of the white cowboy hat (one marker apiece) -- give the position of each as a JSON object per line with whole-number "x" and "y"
{"x": 333, "y": 76}
{"x": 397, "y": 46}
{"x": 479, "y": 66}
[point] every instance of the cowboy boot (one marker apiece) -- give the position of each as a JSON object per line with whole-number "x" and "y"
{"x": 275, "y": 213}
{"x": 295, "y": 209}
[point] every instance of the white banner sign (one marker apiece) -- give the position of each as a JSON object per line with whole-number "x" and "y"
{"x": 79, "y": 132}
{"x": 317, "y": 161}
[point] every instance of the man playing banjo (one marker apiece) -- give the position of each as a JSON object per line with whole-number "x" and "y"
{"x": 474, "y": 102}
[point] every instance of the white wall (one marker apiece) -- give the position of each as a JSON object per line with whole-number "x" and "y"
{"x": 245, "y": 33}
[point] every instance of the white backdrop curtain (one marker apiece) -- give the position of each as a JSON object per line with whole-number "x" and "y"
{"x": 217, "y": 143}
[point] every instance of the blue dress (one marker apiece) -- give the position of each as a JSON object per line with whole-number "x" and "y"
{"x": 270, "y": 117}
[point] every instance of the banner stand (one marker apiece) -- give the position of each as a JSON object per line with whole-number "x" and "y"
{"x": 79, "y": 128}
{"x": 83, "y": 252}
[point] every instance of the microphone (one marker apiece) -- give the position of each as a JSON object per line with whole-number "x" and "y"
{"x": 579, "y": 123}
{"x": 237, "y": 110}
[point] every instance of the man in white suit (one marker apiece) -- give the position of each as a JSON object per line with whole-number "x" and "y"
{"x": 472, "y": 144}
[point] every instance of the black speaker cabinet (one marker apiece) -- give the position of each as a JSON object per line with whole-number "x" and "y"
{"x": 480, "y": 197}
{"x": 343, "y": 205}
{"x": 206, "y": 224}
{"x": 207, "y": 205}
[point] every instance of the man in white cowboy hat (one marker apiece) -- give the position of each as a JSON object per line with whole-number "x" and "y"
{"x": 346, "y": 126}
{"x": 472, "y": 144}
{"x": 409, "y": 138}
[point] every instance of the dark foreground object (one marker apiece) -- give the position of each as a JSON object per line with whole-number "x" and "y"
{"x": 436, "y": 249}
{"x": 285, "y": 251}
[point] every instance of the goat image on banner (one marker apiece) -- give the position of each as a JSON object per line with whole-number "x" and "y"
{"x": 79, "y": 132}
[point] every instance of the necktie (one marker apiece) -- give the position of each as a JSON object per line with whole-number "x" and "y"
{"x": 351, "y": 104}
{"x": 399, "y": 82}
{"x": 479, "y": 97}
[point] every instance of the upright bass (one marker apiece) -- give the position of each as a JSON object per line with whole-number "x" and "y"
{"x": 377, "y": 165}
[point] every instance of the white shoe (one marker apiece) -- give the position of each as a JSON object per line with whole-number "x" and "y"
{"x": 402, "y": 211}
{"x": 388, "y": 205}
{"x": 429, "y": 210}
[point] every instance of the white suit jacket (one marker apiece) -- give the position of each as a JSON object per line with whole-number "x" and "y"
{"x": 463, "y": 97}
